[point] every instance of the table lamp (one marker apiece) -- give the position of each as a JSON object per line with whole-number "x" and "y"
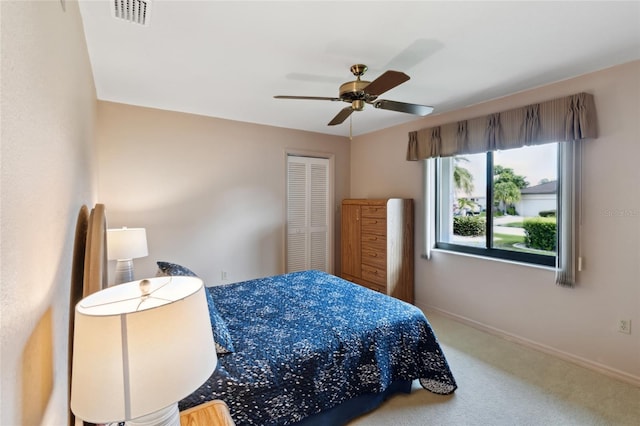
{"x": 124, "y": 245}
{"x": 139, "y": 348}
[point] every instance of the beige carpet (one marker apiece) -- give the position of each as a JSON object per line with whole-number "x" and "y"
{"x": 504, "y": 383}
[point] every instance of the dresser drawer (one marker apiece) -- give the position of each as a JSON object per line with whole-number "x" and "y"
{"x": 375, "y": 287}
{"x": 373, "y": 226}
{"x": 374, "y": 239}
{"x": 374, "y": 274}
{"x": 374, "y": 211}
{"x": 374, "y": 257}
{"x": 364, "y": 283}
{"x": 380, "y": 288}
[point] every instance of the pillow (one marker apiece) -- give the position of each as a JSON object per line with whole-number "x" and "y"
{"x": 221, "y": 334}
{"x": 166, "y": 268}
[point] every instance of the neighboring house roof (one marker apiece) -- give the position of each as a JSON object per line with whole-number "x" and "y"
{"x": 543, "y": 188}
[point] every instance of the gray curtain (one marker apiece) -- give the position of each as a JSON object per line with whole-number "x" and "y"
{"x": 530, "y": 130}
{"x": 568, "y": 213}
{"x": 559, "y": 120}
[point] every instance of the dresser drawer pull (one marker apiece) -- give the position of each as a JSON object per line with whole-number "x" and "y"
{"x": 373, "y": 255}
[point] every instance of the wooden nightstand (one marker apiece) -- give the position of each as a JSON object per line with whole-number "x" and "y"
{"x": 212, "y": 413}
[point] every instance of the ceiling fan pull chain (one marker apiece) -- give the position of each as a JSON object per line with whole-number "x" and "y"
{"x": 350, "y": 127}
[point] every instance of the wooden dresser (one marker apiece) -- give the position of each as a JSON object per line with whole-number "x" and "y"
{"x": 377, "y": 245}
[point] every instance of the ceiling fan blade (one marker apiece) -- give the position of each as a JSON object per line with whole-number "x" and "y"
{"x": 313, "y": 98}
{"x": 341, "y": 116}
{"x": 386, "y": 81}
{"x": 403, "y": 107}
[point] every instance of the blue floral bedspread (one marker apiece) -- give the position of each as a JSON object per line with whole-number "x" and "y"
{"x": 308, "y": 341}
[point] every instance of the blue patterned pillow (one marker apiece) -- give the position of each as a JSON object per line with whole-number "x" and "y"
{"x": 221, "y": 334}
{"x": 167, "y": 268}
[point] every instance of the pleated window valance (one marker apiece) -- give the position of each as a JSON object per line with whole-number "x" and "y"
{"x": 559, "y": 120}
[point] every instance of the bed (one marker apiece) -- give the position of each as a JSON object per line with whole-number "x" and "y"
{"x": 88, "y": 272}
{"x": 309, "y": 346}
{"x": 305, "y": 348}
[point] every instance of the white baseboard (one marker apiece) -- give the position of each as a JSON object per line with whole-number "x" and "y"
{"x": 583, "y": 362}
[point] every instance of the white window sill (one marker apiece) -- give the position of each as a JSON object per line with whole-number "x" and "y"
{"x": 491, "y": 259}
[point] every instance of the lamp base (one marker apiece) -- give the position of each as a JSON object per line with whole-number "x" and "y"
{"x": 169, "y": 416}
{"x": 124, "y": 271}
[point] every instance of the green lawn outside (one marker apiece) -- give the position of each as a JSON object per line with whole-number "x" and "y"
{"x": 507, "y": 242}
{"x": 513, "y": 224}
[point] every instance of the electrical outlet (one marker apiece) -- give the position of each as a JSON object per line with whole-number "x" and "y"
{"x": 223, "y": 275}
{"x": 624, "y": 326}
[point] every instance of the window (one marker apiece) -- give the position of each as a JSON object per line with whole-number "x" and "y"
{"x": 564, "y": 122}
{"x": 500, "y": 204}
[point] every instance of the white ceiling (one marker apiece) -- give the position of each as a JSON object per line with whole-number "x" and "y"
{"x": 228, "y": 59}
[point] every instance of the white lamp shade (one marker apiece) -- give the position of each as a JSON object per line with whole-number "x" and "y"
{"x": 126, "y": 243}
{"x": 133, "y": 356}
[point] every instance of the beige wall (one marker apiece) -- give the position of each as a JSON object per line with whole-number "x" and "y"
{"x": 210, "y": 192}
{"x": 580, "y": 323}
{"x": 48, "y": 107}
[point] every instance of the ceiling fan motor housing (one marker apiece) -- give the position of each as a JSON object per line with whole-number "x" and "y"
{"x": 354, "y": 90}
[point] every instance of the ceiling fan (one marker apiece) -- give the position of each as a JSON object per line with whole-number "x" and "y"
{"x": 360, "y": 92}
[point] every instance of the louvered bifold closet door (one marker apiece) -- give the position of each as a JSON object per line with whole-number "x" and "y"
{"x": 296, "y": 214}
{"x": 307, "y": 214}
{"x": 318, "y": 216}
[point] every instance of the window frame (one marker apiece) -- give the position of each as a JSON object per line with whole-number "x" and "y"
{"x": 489, "y": 251}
